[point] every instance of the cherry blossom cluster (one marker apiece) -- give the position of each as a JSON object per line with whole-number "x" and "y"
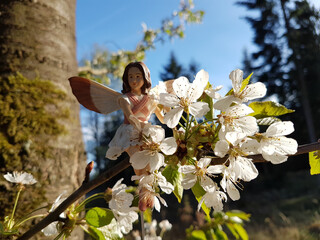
{"x": 205, "y": 127}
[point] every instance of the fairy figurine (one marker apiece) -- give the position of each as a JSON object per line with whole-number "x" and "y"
{"x": 136, "y": 102}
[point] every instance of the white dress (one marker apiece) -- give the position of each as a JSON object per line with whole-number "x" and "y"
{"x": 127, "y": 135}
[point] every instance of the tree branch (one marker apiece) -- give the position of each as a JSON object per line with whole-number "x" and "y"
{"x": 82, "y": 190}
{"x": 104, "y": 177}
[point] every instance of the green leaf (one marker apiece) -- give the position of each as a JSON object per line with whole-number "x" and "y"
{"x": 198, "y": 192}
{"x": 173, "y": 176}
{"x": 232, "y": 230}
{"x": 95, "y": 233}
{"x": 314, "y": 161}
{"x": 240, "y": 214}
{"x": 268, "y": 109}
{"x": 244, "y": 83}
{"x": 241, "y": 231}
{"x": 99, "y": 217}
{"x": 205, "y": 98}
{"x": 198, "y": 235}
{"x": 220, "y": 235}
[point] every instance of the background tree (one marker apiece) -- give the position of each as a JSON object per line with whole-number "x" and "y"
{"x": 287, "y": 59}
{"x": 39, "y": 120}
{"x": 173, "y": 69}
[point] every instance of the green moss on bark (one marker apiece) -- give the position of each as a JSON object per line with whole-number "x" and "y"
{"x": 30, "y": 118}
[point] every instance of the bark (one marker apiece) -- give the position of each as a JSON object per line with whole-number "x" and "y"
{"x": 37, "y": 38}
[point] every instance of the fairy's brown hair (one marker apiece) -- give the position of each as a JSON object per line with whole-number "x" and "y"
{"x": 145, "y": 73}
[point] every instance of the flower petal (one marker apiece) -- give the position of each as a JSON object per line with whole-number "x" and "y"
{"x": 198, "y": 109}
{"x": 181, "y": 87}
{"x": 197, "y": 87}
{"x": 280, "y": 129}
{"x": 173, "y": 116}
{"x": 253, "y": 91}
{"x": 232, "y": 191}
{"x": 221, "y": 148}
{"x": 168, "y": 100}
{"x": 188, "y": 181}
{"x": 140, "y": 159}
{"x": 169, "y": 146}
{"x": 236, "y": 76}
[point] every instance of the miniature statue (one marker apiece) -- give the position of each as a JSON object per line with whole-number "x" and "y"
{"x": 136, "y": 103}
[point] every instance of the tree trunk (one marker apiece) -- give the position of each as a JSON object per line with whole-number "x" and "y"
{"x": 301, "y": 79}
{"x": 37, "y": 39}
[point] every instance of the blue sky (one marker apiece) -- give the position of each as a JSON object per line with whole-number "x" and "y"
{"x": 217, "y": 44}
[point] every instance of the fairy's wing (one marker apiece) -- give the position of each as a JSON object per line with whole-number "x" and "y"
{"x": 94, "y": 96}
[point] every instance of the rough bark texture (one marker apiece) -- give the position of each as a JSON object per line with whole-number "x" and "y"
{"x": 37, "y": 39}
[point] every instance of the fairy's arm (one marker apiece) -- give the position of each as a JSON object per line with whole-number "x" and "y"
{"x": 125, "y": 106}
{"x": 159, "y": 114}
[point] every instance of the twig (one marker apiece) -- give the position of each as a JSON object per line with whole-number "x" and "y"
{"x": 302, "y": 149}
{"x": 88, "y": 186}
{"x": 82, "y": 190}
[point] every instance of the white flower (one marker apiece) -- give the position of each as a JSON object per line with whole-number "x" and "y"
{"x": 121, "y": 200}
{"x": 238, "y": 147}
{"x": 274, "y": 146}
{"x": 151, "y": 228}
{"x": 198, "y": 172}
{"x": 251, "y": 91}
{"x": 20, "y": 178}
{"x": 228, "y": 183}
{"x": 240, "y": 167}
{"x": 125, "y": 218}
{"x": 153, "y": 180}
{"x": 213, "y": 198}
{"x": 153, "y": 144}
{"x": 111, "y": 231}
{"x": 185, "y": 99}
{"x": 120, "y": 206}
{"x": 165, "y": 225}
{"x": 213, "y": 92}
{"x": 52, "y": 228}
{"x": 235, "y": 119}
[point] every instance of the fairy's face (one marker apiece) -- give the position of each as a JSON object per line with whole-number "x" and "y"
{"x": 135, "y": 80}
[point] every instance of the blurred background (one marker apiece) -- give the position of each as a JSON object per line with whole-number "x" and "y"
{"x": 277, "y": 40}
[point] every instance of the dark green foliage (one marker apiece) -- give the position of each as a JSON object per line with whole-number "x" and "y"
{"x": 174, "y": 69}
{"x": 288, "y": 58}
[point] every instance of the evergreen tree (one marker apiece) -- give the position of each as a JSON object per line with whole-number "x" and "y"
{"x": 287, "y": 35}
{"x": 174, "y": 69}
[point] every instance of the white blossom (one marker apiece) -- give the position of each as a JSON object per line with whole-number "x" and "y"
{"x": 213, "y": 198}
{"x": 20, "y": 178}
{"x": 125, "y": 218}
{"x": 200, "y": 172}
{"x": 53, "y": 228}
{"x": 111, "y": 231}
{"x": 213, "y": 92}
{"x": 235, "y": 119}
{"x": 154, "y": 179}
{"x": 165, "y": 225}
{"x": 152, "y": 146}
{"x": 251, "y": 91}
{"x": 274, "y": 147}
{"x": 185, "y": 99}
{"x": 120, "y": 206}
{"x": 121, "y": 200}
